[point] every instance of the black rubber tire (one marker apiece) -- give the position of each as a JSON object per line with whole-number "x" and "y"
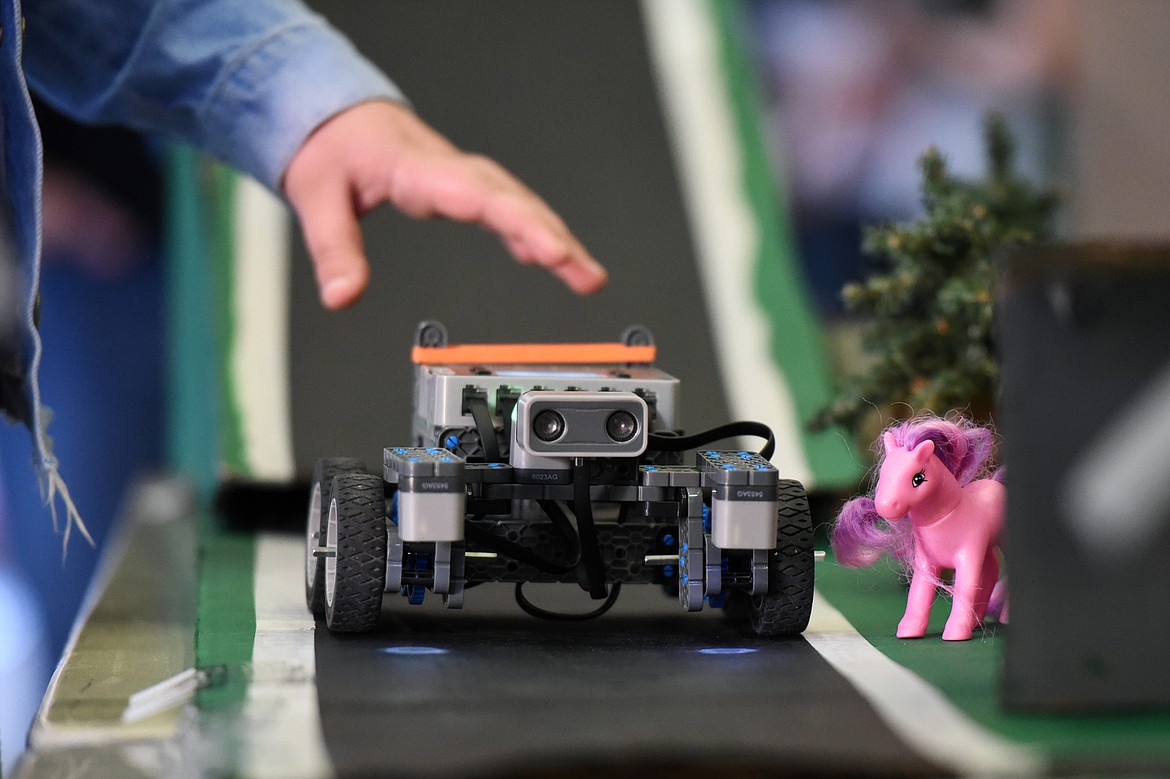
{"x": 786, "y": 608}
{"x": 359, "y": 571}
{"x": 318, "y": 513}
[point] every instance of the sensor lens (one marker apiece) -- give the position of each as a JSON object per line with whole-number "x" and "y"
{"x": 621, "y": 426}
{"x": 548, "y": 425}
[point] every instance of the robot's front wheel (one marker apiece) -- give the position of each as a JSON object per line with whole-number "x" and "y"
{"x": 355, "y": 576}
{"x": 785, "y": 609}
{"x": 315, "y": 529}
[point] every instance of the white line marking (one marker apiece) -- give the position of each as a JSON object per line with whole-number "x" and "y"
{"x": 281, "y": 728}
{"x": 913, "y": 708}
{"x": 697, "y": 109}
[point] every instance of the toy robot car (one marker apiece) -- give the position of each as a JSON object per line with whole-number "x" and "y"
{"x": 557, "y": 463}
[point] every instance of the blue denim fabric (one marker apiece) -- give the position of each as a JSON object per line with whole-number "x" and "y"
{"x": 244, "y": 80}
{"x": 20, "y": 209}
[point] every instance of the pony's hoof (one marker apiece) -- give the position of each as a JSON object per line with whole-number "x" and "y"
{"x": 957, "y": 634}
{"x": 910, "y": 630}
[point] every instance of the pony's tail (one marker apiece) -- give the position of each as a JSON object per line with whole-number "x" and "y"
{"x": 859, "y": 536}
{"x": 997, "y": 606}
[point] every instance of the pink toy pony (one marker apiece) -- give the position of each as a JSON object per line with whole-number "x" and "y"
{"x": 943, "y": 511}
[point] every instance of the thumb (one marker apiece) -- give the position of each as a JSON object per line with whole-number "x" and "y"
{"x": 333, "y": 237}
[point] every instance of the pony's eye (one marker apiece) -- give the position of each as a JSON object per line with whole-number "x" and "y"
{"x": 918, "y": 479}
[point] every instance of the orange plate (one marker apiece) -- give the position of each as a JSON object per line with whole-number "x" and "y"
{"x": 532, "y": 354}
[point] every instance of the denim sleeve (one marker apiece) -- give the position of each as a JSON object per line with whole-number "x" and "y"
{"x": 245, "y": 80}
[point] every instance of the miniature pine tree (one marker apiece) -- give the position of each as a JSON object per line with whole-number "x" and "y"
{"x": 931, "y": 338}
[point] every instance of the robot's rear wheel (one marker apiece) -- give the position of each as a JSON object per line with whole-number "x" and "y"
{"x": 315, "y": 529}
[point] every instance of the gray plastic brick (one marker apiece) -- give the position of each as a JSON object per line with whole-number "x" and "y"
{"x": 413, "y": 461}
{"x": 655, "y": 476}
{"x": 681, "y": 476}
{"x": 670, "y": 476}
{"x": 736, "y": 467}
{"x": 487, "y": 473}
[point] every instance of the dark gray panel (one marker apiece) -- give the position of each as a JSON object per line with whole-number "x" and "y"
{"x": 1083, "y": 331}
{"x": 562, "y": 94}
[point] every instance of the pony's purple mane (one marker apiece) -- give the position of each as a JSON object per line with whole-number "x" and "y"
{"x": 964, "y": 447}
{"x": 860, "y": 536}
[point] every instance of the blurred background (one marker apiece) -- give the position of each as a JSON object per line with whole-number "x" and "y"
{"x": 855, "y": 92}
{"x": 852, "y": 93}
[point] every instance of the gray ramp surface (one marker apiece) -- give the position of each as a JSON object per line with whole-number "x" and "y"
{"x": 644, "y": 690}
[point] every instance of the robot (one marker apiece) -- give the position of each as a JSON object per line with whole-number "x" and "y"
{"x": 557, "y": 463}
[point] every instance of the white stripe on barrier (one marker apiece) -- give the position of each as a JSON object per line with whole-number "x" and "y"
{"x": 259, "y": 359}
{"x": 281, "y": 724}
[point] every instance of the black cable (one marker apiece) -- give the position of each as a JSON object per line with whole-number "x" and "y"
{"x": 592, "y": 567}
{"x": 558, "y": 616}
{"x": 478, "y": 407}
{"x": 671, "y": 443}
{"x": 560, "y": 520}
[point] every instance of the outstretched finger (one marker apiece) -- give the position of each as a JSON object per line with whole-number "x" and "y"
{"x": 563, "y": 256}
{"x": 535, "y": 234}
{"x": 333, "y": 237}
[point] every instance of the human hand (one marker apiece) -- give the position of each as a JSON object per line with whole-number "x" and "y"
{"x": 381, "y": 152}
